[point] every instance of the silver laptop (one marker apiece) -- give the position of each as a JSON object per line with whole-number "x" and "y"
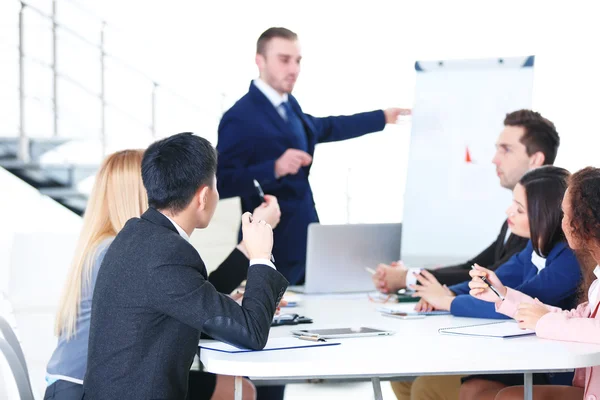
{"x": 337, "y": 255}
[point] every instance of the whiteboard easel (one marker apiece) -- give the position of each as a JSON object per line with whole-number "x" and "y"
{"x": 454, "y": 204}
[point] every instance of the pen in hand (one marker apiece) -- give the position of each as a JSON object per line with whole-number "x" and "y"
{"x": 261, "y": 194}
{"x": 493, "y": 289}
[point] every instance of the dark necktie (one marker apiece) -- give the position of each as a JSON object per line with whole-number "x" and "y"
{"x": 296, "y": 126}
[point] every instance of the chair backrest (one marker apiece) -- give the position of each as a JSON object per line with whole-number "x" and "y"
{"x": 11, "y": 338}
{"x": 21, "y": 378}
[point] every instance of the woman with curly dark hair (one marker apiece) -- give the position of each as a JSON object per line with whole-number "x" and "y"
{"x": 581, "y": 225}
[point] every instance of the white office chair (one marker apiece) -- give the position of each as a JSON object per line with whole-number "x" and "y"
{"x": 39, "y": 266}
{"x": 21, "y": 378}
{"x": 11, "y": 338}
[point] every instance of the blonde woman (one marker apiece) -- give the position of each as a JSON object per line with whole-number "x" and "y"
{"x": 118, "y": 195}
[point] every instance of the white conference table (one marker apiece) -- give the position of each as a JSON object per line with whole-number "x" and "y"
{"x": 415, "y": 349}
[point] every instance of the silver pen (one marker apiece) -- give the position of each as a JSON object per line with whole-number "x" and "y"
{"x": 261, "y": 194}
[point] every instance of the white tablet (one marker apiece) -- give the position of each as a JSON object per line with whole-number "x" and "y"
{"x": 341, "y": 332}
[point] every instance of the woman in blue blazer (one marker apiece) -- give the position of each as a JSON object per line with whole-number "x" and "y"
{"x": 547, "y": 269}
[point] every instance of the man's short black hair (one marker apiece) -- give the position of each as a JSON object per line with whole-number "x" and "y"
{"x": 173, "y": 169}
{"x": 540, "y": 133}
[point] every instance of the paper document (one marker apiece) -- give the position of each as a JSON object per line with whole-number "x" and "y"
{"x": 504, "y": 329}
{"x": 272, "y": 344}
{"x": 407, "y": 308}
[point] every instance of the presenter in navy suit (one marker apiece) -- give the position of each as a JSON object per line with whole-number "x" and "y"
{"x": 267, "y": 137}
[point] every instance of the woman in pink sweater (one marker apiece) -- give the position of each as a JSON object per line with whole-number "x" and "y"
{"x": 581, "y": 224}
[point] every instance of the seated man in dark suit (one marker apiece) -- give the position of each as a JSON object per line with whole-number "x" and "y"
{"x": 152, "y": 299}
{"x": 226, "y": 278}
{"x": 528, "y": 141}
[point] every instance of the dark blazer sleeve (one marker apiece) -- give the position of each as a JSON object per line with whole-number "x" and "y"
{"x": 181, "y": 292}
{"x": 231, "y": 273}
{"x": 553, "y": 284}
{"x": 234, "y": 171}
{"x": 557, "y": 282}
{"x": 332, "y": 129}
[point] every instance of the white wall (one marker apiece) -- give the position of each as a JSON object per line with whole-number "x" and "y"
{"x": 356, "y": 58}
{"x": 37, "y": 239}
{"x": 26, "y": 211}
{"x": 359, "y": 56}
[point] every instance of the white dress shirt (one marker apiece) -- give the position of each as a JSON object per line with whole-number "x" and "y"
{"x": 539, "y": 262}
{"x": 508, "y": 232}
{"x": 184, "y": 235}
{"x": 275, "y": 98}
{"x": 411, "y": 279}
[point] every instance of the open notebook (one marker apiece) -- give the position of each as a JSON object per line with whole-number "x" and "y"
{"x": 501, "y": 329}
{"x": 408, "y": 308}
{"x": 272, "y": 344}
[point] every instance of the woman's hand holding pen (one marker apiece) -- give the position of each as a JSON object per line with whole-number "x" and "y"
{"x": 480, "y": 289}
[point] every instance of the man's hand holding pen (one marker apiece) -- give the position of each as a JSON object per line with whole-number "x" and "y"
{"x": 258, "y": 237}
{"x": 270, "y": 213}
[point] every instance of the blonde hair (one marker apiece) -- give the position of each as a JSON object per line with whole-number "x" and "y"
{"x": 117, "y": 196}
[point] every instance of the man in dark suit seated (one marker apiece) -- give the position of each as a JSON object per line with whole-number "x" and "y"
{"x": 152, "y": 299}
{"x": 527, "y": 141}
{"x": 265, "y": 136}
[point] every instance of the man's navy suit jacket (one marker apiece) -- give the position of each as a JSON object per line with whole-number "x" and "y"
{"x": 252, "y": 136}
